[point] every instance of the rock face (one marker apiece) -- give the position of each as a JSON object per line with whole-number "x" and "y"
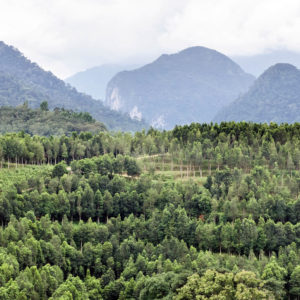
{"x": 22, "y": 80}
{"x": 274, "y": 97}
{"x": 189, "y": 86}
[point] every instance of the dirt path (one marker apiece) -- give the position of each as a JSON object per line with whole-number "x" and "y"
{"x": 150, "y": 156}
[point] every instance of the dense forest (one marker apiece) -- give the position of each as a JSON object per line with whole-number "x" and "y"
{"x": 44, "y": 122}
{"x": 204, "y": 211}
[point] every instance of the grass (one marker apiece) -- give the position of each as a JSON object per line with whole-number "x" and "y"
{"x": 163, "y": 166}
{"x": 13, "y": 175}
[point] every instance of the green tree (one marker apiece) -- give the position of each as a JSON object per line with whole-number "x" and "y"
{"x": 44, "y": 106}
{"x": 295, "y": 282}
{"x": 59, "y": 169}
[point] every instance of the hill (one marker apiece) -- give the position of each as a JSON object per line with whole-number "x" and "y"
{"x": 93, "y": 81}
{"x": 46, "y": 123}
{"x": 274, "y": 97}
{"x": 21, "y": 79}
{"x": 189, "y": 86}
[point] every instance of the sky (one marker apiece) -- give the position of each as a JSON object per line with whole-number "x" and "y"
{"x": 67, "y": 36}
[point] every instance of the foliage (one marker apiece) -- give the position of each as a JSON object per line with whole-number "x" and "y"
{"x": 95, "y": 223}
{"x": 46, "y": 123}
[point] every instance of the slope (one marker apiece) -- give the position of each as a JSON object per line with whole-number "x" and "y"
{"x": 36, "y": 85}
{"x": 189, "y": 86}
{"x": 274, "y": 97}
{"x": 46, "y": 123}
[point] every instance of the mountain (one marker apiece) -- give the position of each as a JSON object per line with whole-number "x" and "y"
{"x": 46, "y": 123}
{"x": 274, "y": 97}
{"x": 257, "y": 64}
{"x": 93, "y": 81}
{"x": 21, "y": 80}
{"x": 189, "y": 86}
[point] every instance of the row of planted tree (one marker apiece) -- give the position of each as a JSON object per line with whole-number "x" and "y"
{"x": 206, "y": 146}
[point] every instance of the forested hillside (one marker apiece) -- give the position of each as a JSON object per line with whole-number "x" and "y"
{"x": 274, "y": 97}
{"x": 22, "y": 80}
{"x": 199, "y": 212}
{"x": 43, "y": 122}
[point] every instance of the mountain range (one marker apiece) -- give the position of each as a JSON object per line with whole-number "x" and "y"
{"x": 189, "y": 86}
{"x": 274, "y": 97}
{"x": 194, "y": 85}
{"x": 24, "y": 81}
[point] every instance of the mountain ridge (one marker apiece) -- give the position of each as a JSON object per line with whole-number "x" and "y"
{"x": 188, "y": 86}
{"x": 273, "y": 97}
{"x": 15, "y": 67}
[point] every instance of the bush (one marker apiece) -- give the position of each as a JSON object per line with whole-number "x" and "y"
{"x": 59, "y": 169}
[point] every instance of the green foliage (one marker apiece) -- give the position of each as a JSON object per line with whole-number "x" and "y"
{"x": 44, "y": 106}
{"x": 59, "y": 169}
{"x": 215, "y": 285}
{"x": 44, "y": 122}
{"x": 94, "y": 223}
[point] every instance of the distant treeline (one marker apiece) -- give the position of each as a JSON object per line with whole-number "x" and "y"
{"x": 46, "y": 123}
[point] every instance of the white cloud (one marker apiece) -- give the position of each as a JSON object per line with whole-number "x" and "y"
{"x": 66, "y": 36}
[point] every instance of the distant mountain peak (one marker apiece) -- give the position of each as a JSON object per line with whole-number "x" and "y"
{"x": 273, "y": 97}
{"x": 180, "y": 88}
{"x": 280, "y": 68}
{"x": 200, "y": 57}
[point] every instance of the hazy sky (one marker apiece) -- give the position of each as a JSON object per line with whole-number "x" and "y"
{"x": 66, "y": 36}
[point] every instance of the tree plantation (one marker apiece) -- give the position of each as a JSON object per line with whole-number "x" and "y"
{"x": 204, "y": 211}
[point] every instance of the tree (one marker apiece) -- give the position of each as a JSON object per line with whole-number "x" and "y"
{"x": 295, "y": 282}
{"x": 131, "y": 167}
{"x": 99, "y": 204}
{"x": 59, "y": 169}
{"x": 72, "y": 288}
{"x": 44, "y": 106}
{"x": 212, "y": 285}
{"x": 87, "y": 202}
{"x": 215, "y": 285}
{"x": 156, "y": 287}
{"x": 274, "y": 275}
{"x": 64, "y": 151}
{"x": 107, "y": 203}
